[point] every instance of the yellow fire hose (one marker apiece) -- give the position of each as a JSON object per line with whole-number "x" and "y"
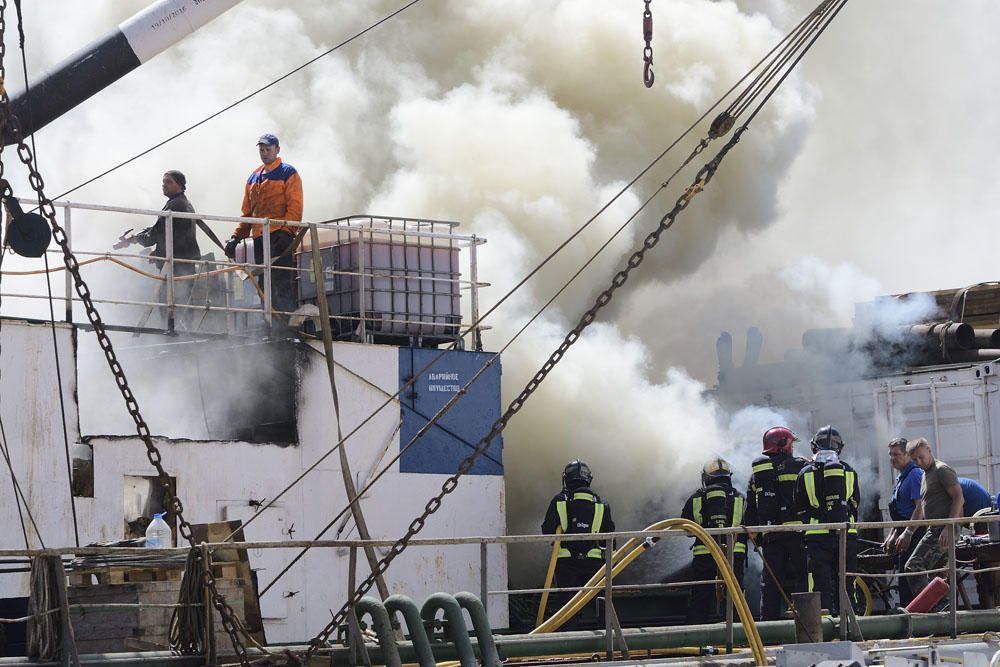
{"x": 634, "y": 548}
{"x": 548, "y": 578}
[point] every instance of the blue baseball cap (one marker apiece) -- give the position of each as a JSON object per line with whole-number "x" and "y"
{"x": 268, "y": 139}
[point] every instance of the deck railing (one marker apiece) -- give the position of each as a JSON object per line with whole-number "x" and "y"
{"x": 389, "y": 278}
{"x": 728, "y": 536}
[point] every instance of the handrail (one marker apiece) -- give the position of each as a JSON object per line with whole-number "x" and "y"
{"x": 499, "y": 539}
{"x": 370, "y": 306}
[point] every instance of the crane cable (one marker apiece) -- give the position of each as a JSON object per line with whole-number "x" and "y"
{"x": 524, "y": 280}
{"x": 241, "y": 100}
{"x": 449, "y": 404}
{"x": 704, "y": 176}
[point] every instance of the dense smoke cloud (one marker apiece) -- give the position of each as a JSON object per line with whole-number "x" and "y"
{"x": 520, "y": 119}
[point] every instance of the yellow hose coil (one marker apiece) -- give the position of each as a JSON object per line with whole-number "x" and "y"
{"x": 634, "y": 548}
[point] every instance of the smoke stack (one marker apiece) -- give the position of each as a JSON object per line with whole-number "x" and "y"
{"x": 102, "y": 62}
{"x": 755, "y": 340}
{"x": 724, "y": 350}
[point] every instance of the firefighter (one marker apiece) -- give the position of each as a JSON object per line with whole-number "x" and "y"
{"x": 577, "y": 509}
{"x": 827, "y": 491}
{"x": 771, "y": 502}
{"x": 715, "y": 505}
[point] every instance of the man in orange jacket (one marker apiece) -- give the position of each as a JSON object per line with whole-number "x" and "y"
{"x": 273, "y": 191}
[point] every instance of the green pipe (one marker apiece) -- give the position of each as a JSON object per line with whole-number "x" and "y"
{"x": 383, "y": 629}
{"x": 415, "y": 625}
{"x": 455, "y": 622}
{"x": 481, "y": 625}
{"x": 772, "y": 633}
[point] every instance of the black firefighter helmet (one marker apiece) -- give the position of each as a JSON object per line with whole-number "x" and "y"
{"x": 576, "y": 474}
{"x": 827, "y": 438}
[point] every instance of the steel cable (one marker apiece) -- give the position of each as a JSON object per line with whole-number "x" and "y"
{"x": 702, "y": 179}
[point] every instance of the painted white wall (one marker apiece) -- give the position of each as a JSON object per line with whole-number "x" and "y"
{"x": 215, "y": 480}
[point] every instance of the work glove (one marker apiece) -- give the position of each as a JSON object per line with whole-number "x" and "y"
{"x": 230, "y": 249}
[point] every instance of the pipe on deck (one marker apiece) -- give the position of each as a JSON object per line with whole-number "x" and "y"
{"x": 901, "y": 626}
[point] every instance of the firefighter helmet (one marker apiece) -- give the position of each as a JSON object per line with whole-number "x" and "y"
{"x": 827, "y": 438}
{"x": 778, "y": 440}
{"x": 715, "y": 470}
{"x": 576, "y": 474}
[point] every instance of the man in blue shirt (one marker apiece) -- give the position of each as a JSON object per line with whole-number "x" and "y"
{"x": 976, "y": 498}
{"x": 905, "y": 494}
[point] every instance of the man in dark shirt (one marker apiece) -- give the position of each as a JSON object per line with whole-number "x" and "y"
{"x": 185, "y": 242}
{"x": 940, "y": 498}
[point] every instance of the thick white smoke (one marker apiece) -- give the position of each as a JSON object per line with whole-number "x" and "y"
{"x": 520, "y": 119}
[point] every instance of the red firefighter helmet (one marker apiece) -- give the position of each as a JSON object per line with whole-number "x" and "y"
{"x": 778, "y": 440}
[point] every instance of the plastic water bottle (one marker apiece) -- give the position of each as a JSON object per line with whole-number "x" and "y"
{"x": 158, "y": 535}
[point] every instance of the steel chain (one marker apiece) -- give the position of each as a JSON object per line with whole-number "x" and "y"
{"x": 705, "y": 174}
{"x": 647, "y": 53}
{"x": 47, "y": 208}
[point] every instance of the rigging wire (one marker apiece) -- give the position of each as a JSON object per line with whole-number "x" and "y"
{"x": 534, "y": 272}
{"x": 18, "y": 495}
{"x": 240, "y": 101}
{"x": 48, "y": 285}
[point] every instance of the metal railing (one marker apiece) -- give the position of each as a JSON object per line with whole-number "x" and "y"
{"x": 390, "y": 278}
{"x": 729, "y": 535}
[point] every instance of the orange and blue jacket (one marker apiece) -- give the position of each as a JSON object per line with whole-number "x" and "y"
{"x": 273, "y": 191}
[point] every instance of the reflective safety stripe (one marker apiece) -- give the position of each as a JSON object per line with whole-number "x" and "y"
{"x": 715, "y": 494}
{"x": 564, "y": 553}
{"x": 788, "y": 477}
{"x": 849, "y": 483}
{"x": 833, "y": 472}
{"x": 595, "y": 526}
{"x": 809, "y": 583}
{"x": 761, "y": 467}
{"x": 696, "y": 509}
{"x": 816, "y": 531}
{"x": 737, "y": 512}
{"x": 810, "y": 482}
{"x": 579, "y": 495}
{"x": 563, "y": 517}
{"x": 701, "y": 550}
{"x": 596, "y": 552}
{"x": 793, "y": 522}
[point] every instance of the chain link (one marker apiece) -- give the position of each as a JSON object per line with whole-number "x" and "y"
{"x": 705, "y": 174}
{"x": 47, "y": 208}
{"x": 647, "y": 53}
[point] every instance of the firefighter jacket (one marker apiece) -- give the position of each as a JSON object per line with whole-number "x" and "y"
{"x": 771, "y": 491}
{"x": 828, "y": 492}
{"x": 578, "y": 511}
{"x": 716, "y": 506}
{"x": 272, "y": 191}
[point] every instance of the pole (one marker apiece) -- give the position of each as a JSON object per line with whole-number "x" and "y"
{"x": 483, "y": 587}
{"x": 842, "y": 581}
{"x": 67, "y": 220}
{"x": 609, "y": 637}
{"x": 952, "y": 581}
{"x": 266, "y": 277}
{"x": 209, "y": 646}
{"x": 730, "y": 557}
{"x": 169, "y": 238}
{"x": 345, "y": 468}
